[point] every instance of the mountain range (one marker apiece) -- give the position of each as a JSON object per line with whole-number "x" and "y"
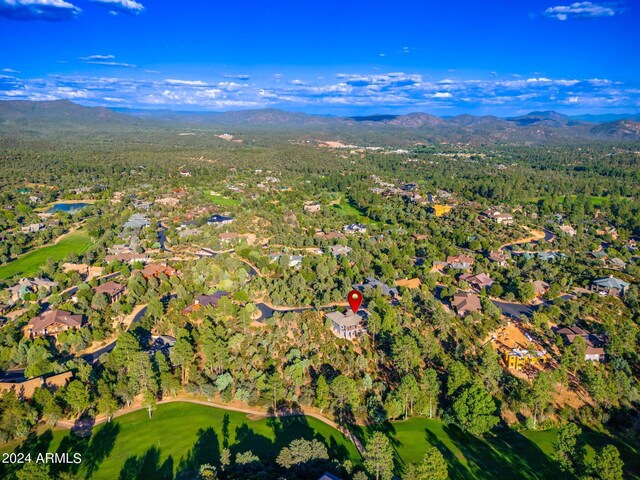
{"x": 534, "y": 127}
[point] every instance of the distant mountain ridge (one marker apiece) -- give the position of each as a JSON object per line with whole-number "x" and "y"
{"x": 534, "y": 127}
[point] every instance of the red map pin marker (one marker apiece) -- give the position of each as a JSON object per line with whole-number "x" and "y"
{"x": 355, "y": 300}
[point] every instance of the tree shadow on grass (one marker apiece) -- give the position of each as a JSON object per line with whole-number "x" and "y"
{"x": 205, "y": 450}
{"x": 629, "y": 451}
{"x": 457, "y": 471}
{"x": 147, "y": 467}
{"x": 246, "y": 439}
{"x": 32, "y": 445}
{"x": 93, "y": 449}
{"x": 100, "y": 447}
{"x": 508, "y": 456}
{"x": 72, "y": 444}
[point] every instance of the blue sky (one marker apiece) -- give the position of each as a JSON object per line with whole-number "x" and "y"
{"x": 339, "y": 57}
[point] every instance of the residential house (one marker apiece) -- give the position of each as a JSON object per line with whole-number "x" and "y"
{"x": 127, "y": 258}
{"x": 172, "y": 202}
{"x": 543, "y": 256}
{"x": 312, "y": 207}
{"x": 465, "y": 303}
{"x": 460, "y": 262}
{"x": 617, "y": 263}
{"x": 346, "y": 325}
{"x": 136, "y": 221}
{"x": 541, "y": 287}
{"x": 114, "y": 291}
{"x": 595, "y": 343}
{"x": 440, "y": 210}
{"x": 518, "y": 357}
{"x": 568, "y": 230}
{"x": 354, "y": 228}
{"x": 205, "y": 301}
{"x": 51, "y": 323}
{"x": 141, "y": 204}
{"x": 329, "y": 476}
{"x": 499, "y": 258}
{"x": 371, "y": 282}
{"x": 609, "y": 286}
{"x": 499, "y": 217}
{"x": 340, "y": 250}
{"x": 479, "y": 281}
{"x": 28, "y": 285}
{"x": 32, "y": 228}
{"x": 154, "y": 270}
{"x": 295, "y": 261}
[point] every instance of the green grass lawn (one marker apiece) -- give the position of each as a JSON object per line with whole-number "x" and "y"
{"x": 221, "y": 200}
{"x": 29, "y": 263}
{"x": 346, "y": 208}
{"x": 525, "y": 455}
{"x": 595, "y": 201}
{"x": 181, "y": 435}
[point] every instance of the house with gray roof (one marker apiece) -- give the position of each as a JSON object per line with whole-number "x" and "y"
{"x": 371, "y": 282}
{"x": 609, "y": 286}
{"x": 137, "y": 221}
{"x": 340, "y": 250}
{"x": 346, "y": 325}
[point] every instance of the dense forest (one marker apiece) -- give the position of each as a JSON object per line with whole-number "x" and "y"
{"x": 267, "y": 343}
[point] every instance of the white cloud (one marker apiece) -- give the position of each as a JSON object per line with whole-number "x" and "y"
{"x": 580, "y": 10}
{"x": 113, "y": 64}
{"x": 98, "y": 57}
{"x": 125, "y": 6}
{"x": 191, "y": 83}
{"x": 379, "y": 92}
{"x": 240, "y": 76}
{"x": 10, "y": 70}
{"x": 50, "y": 10}
{"x": 441, "y": 95}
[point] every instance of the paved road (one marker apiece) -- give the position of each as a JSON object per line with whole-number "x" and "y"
{"x": 515, "y": 309}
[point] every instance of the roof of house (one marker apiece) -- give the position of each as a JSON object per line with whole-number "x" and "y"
{"x": 340, "y": 250}
{"x": 617, "y": 262}
{"x": 594, "y": 342}
{"x": 466, "y": 302}
{"x": 32, "y": 283}
{"x": 127, "y": 257}
{"x": 611, "y": 282}
{"x": 328, "y": 476}
{"x": 212, "y": 299}
{"x": 480, "y": 280}
{"x": 498, "y": 257}
{"x": 153, "y": 270}
{"x": 110, "y": 288}
{"x": 371, "y": 282}
{"x": 348, "y": 319}
{"x": 42, "y": 321}
{"x": 460, "y": 259}
{"x": 540, "y": 286}
{"x": 137, "y": 220}
{"x": 573, "y": 330}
